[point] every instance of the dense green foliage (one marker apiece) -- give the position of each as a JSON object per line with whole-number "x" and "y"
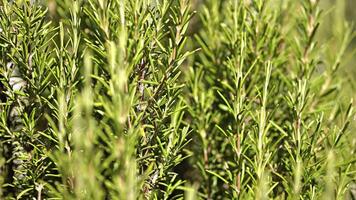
{"x": 174, "y": 99}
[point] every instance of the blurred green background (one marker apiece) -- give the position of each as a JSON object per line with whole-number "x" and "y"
{"x": 341, "y": 13}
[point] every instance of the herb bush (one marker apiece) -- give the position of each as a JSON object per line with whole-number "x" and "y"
{"x": 173, "y": 99}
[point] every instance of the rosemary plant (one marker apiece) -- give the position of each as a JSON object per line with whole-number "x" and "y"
{"x": 174, "y": 99}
